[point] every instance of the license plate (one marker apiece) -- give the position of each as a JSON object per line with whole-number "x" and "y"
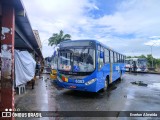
{"x": 72, "y": 86}
{"x": 79, "y": 81}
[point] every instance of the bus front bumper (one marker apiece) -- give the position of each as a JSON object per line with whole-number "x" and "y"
{"x": 75, "y": 86}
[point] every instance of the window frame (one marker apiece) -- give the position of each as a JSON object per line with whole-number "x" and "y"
{"x": 106, "y": 55}
{"x": 100, "y": 49}
{"x": 111, "y": 57}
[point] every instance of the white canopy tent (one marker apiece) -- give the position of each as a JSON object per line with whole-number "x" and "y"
{"x": 24, "y": 67}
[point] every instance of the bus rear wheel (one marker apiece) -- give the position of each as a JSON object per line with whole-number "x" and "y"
{"x": 120, "y": 76}
{"x": 106, "y": 84}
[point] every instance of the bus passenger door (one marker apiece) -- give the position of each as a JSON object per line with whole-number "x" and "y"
{"x": 111, "y": 67}
{"x": 100, "y": 75}
{"x": 111, "y": 73}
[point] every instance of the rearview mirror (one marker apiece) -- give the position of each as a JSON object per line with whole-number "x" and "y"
{"x": 101, "y": 54}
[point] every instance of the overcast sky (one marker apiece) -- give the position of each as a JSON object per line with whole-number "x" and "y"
{"x": 130, "y": 27}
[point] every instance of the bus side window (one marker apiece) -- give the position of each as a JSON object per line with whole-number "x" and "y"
{"x": 123, "y": 58}
{"x": 106, "y": 55}
{"x": 115, "y": 57}
{"x": 111, "y": 57}
{"x": 119, "y": 60}
{"x": 100, "y": 60}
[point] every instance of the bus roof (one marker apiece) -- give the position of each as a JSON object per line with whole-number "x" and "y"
{"x": 134, "y": 59}
{"x": 96, "y": 41}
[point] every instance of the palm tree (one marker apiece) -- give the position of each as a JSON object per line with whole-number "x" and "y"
{"x": 57, "y": 38}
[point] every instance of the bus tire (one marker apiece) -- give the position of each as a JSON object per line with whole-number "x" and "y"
{"x": 106, "y": 84}
{"x": 120, "y": 76}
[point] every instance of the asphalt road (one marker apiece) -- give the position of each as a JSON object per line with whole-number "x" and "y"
{"x": 120, "y": 96}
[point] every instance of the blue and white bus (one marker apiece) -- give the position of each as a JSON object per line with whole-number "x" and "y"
{"x": 136, "y": 64}
{"x": 88, "y": 65}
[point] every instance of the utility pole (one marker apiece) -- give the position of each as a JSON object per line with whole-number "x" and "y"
{"x": 151, "y": 52}
{"x": 152, "y": 56}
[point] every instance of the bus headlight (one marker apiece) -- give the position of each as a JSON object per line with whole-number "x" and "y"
{"x": 59, "y": 79}
{"x": 90, "y": 81}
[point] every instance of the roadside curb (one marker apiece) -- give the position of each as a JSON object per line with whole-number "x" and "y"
{"x": 145, "y": 72}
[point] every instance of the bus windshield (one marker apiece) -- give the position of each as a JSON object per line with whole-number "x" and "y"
{"x": 142, "y": 63}
{"x": 128, "y": 61}
{"x": 77, "y": 60}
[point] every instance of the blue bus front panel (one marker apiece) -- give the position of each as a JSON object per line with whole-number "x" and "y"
{"x": 99, "y": 77}
{"x": 88, "y": 83}
{"x": 80, "y": 87}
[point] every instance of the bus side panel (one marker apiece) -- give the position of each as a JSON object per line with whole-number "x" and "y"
{"x": 123, "y": 68}
{"x": 100, "y": 83}
{"x": 118, "y": 70}
{"x": 92, "y": 87}
{"x": 101, "y": 76}
{"x": 106, "y": 70}
{"x": 115, "y": 72}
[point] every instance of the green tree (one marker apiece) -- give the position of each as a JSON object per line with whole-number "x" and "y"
{"x": 149, "y": 59}
{"x": 142, "y": 56}
{"x": 128, "y": 56}
{"x": 157, "y": 63}
{"x": 56, "y": 38}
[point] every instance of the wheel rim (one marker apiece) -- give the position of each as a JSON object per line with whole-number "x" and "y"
{"x": 106, "y": 85}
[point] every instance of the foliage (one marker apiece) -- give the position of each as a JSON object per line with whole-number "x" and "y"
{"x": 142, "y": 56}
{"x": 56, "y": 38}
{"x": 129, "y": 57}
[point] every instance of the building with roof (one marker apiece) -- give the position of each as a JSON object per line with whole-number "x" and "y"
{"x": 16, "y": 33}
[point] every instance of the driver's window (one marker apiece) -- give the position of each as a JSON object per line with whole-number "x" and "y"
{"x": 100, "y": 59}
{"x": 64, "y": 61}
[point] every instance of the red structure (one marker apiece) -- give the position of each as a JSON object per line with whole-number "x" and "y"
{"x": 7, "y": 56}
{"x": 16, "y": 32}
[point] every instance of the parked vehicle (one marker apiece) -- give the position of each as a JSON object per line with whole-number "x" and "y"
{"x": 88, "y": 65}
{"x": 136, "y": 65}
